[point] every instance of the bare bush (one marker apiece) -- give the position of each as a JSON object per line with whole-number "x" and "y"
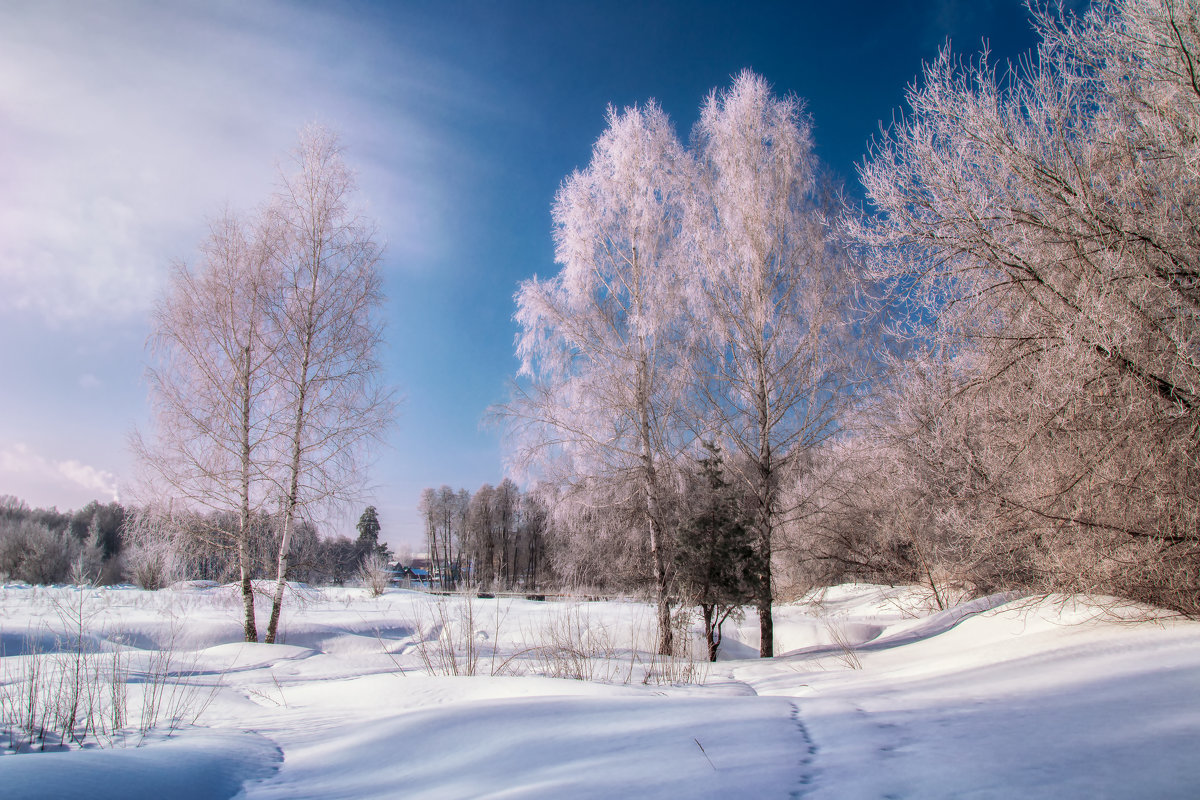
{"x": 448, "y": 642}
{"x": 31, "y": 552}
{"x": 374, "y": 574}
{"x": 568, "y": 643}
{"x": 78, "y": 692}
{"x": 152, "y": 550}
{"x": 847, "y": 650}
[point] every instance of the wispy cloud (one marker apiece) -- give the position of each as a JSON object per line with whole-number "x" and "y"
{"x": 125, "y": 125}
{"x": 32, "y": 476}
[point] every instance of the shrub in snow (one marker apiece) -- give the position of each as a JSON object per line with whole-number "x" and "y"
{"x": 374, "y": 574}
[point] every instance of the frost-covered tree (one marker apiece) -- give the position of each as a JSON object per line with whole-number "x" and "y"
{"x": 89, "y": 561}
{"x": 504, "y": 536}
{"x": 593, "y": 539}
{"x": 32, "y": 552}
{"x": 427, "y": 507}
{"x": 374, "y": 573}
{"x": 1038, "y": 232}
{"x": 768, "y": 295}
{"x": 491, "y": 537}
{"x": 109, "y": 520}
{"x": 598, "y": 342}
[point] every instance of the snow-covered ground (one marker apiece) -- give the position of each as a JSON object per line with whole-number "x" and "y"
{"x": 411, "y": 695}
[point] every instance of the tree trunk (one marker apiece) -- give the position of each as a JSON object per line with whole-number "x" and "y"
{"x": 766, "y": 499}
{"x": 250, "y": 629}
{"x": 666, "y": 636}
{"x": 712, "y": 633}
{"x": 937, "y": 596}
{"x": 293, "y": 495}
{"x": 281, "y": 567}
{"x": 289, "y": 519}
{"x": 249, "y": 625}
{"x": 766, "y": 623}
{"x": 766, "y": 628}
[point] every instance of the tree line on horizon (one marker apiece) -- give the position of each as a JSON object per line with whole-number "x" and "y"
{"x": 492, "y": 539}
{"x": 109, "y": 543}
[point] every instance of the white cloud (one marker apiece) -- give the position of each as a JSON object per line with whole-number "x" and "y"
{"x": 126, "y": 125}
{"x": 89, "y": 477}
{"x": 89, "y": 381}
{"x": 41, "y": 481}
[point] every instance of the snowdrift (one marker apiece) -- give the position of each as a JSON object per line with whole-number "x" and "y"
{"x": 874, "y": 695}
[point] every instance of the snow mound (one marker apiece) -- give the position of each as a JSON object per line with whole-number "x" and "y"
{"x": 936, "y": 624}
{"x": 556, "y": 747}
{"x": 194, "y": 765}
{"x": 193, "y": 585}
{"x": 248, "y": 656}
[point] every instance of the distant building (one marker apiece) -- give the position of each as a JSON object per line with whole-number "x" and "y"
{"x": 410, "y": 577}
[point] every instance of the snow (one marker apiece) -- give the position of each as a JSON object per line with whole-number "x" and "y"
{"x": 199, "y": 766}
{"x": 874, "y": 695}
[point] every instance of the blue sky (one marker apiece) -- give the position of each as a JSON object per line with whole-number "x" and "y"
{"x": 125, "y": 125}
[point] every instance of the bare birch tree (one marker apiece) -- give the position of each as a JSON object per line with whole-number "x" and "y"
{"x": 210, "y": 384}
{"x": 324, "y": 319}
{"x": 447, "y": 516}
{"x": 768, "y": 296}
{"x": 534, "y": 520}
{"x": 597, "y": 341}
{"x": 481, "y": 523}
{"x": 428, "y": 507}
{"x": 507, "y": 504}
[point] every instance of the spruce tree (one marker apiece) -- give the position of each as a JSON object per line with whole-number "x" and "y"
{"x": 715, "y": 559}
{"x": 368, "y": 536}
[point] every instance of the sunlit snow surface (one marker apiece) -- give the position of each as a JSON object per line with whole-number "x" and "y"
{"x": 874, "y": 695}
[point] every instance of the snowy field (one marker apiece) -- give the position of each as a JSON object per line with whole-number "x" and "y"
{"x": 410, "y": 695}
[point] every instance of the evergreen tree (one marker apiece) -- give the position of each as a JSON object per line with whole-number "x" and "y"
{"x": 368, "y": 537}
{"x": 715, "y": 559}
